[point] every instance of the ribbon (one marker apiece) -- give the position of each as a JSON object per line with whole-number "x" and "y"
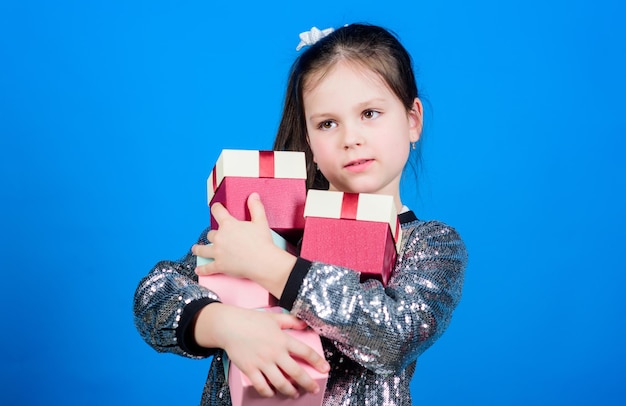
{"x": 266, "y": 168}
{"x": 214, "y": 178}
{"x": 310, "y": 37}
{"x": 349, "y": 205}
{"x": 396, "y": 234}
{"x": 266, "y": 164}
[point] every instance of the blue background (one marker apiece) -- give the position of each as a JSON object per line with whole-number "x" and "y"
{"x": 112, "y": 114}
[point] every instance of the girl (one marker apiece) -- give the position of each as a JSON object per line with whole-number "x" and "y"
{"x": 352, "y": 106}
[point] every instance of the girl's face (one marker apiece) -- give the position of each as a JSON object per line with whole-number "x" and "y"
{"x": 359, "y": 131}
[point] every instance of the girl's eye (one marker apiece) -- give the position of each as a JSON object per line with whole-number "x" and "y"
{"x": 370, "y": 114}
{"x": 327, "y": 125}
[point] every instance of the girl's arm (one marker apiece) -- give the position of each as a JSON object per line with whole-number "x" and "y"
{"x": 166, "y": 303}
{"x": 175, "y": 314}
{"x": 384, "y": 328}
{"x": 256, "y": 343}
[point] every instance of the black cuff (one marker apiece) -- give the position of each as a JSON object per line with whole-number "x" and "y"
{"x": 407, "y": 217}
{"x": 184, "y": 331}
{"x": 292, "y": 287}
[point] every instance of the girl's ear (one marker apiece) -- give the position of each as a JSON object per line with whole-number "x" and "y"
{"x": 416, "y": 120}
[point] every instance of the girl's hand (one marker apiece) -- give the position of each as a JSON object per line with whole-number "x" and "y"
{"x": 255, "y": 342}
{"x": 245, "y": 249}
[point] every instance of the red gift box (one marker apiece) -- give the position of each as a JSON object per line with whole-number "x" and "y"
{"x": 358, "y": 231}
{"x": 243, "y": 393}
{"x": 279, "y": 177}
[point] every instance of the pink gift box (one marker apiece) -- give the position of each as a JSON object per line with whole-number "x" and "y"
{"x": 357, "y": 231}
{"x": 278, "y": 176}
{"x": 243, "y": 393}
{"x": 241, "y": 292}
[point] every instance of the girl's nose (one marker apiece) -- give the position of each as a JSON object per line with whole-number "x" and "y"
{"x": 352, "y": 138}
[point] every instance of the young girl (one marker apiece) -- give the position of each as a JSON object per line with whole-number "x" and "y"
{"x": 352, "y": 106}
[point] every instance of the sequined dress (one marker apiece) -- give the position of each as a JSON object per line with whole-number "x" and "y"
{"x": 372, "y": 335}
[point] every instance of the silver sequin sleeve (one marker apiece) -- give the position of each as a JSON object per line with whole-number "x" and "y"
{"x": 385, "y": 329}
{"x": 161, "y": 297}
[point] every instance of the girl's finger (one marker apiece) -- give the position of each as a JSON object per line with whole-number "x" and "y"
{"x": 260, "y": 383}
{"x": 211, "y": 235}
{"x": 220, "y": 213}
{"x": 287, "y": 321}
{"x": 203, "y": 270}
{"x": 308, "y": 355}
{"x": 292, "y": 369}
{"x": 280, "y": 382}
{"x": 257, "y": 210}
{"x": 204, "y": 260}
{"x": 202, "y": 250}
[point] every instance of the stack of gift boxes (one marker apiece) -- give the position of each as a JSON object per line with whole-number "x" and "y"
{"x": 355, "y": 231}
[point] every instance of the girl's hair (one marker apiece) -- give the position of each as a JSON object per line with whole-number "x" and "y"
{"x": 370, "y": 46}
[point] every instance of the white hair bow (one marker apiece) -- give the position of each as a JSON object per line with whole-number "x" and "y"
{"x": 309, "y": 38}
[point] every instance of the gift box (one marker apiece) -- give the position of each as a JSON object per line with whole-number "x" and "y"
{"x": 279, "y": 177}
{"x": 241, "y": 292}
{"x": 243, "y": 393}
{"x": 358, "y": 231}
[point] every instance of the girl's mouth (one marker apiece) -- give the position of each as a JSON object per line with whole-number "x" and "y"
{"x": 358, "y": 165}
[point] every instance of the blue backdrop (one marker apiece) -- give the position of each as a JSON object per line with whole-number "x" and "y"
{"x": 113, "y": 112}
